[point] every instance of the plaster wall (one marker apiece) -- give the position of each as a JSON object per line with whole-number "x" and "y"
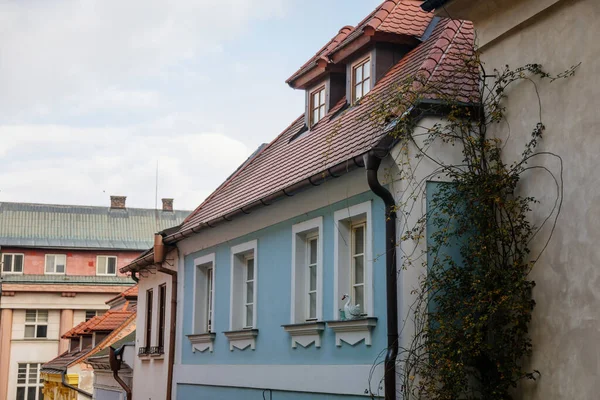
{"x": 566, "y": 324}
{"x": 28, "y": 351}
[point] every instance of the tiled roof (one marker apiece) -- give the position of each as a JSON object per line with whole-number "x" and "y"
{"x": 131, "y": 292}
{"x": 108, "y": 321}
{"x": 68, "y": 279}
{"x": 338, "y": 137}
{"x": 60, "y": 363}
{"x": 67, "y": 226}
{"x": 400, "y": 17}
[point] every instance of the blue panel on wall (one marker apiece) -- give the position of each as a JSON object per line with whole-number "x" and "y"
{"x": 197, "y": 392}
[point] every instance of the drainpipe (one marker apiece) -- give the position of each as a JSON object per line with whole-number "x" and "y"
{"x": 65, "y": 384}
{"x": 373, "y": 161}
{"x": 134, "y": 276}
{"x": 115, "y": 358}
{"x": 159, "y": 258}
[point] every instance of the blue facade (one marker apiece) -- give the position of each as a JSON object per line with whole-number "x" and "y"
{"x": 229, "y": 393}
{"x": 273, "y": 344}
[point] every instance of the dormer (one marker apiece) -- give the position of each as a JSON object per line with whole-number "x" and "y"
{"x": 352, "y": 63}
{"x": 74, "y": 343}
{"x": 86, "y": 340}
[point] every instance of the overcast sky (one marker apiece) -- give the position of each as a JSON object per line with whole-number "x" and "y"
{"x": 94, "y": 92}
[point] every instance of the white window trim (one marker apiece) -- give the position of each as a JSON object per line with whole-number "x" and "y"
{"x": 46, "y": 265}
{"x": 207, "y": 259}
{"x": 298, "y": 229}
{"x": 107, "y": 257}
{"x": 13, "y": 263}
{"x": 235, "y": 251}
{"x": 35, "y": 324}
{"x": 38, "y": 383}
{"x": 340, "y": 216}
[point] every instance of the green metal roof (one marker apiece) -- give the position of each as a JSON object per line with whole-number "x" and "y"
{"x": 69, "y": 280}
{"x": 85, "y": 227}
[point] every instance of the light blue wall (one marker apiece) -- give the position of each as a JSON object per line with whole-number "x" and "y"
{"x": 223, "y": 393}
{"x": 273, "y": 344}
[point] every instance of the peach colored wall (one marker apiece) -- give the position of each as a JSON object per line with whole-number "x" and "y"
{"x": 79, "y": 262}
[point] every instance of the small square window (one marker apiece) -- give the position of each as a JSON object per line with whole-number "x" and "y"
{"x": 56, "y": 263}
{"x": 106, "y": 265}
{"x": 12, "y": 263}
{"x": 361, "y": 79}
{"x": 36, "y": 324}
{"x": 317, "y": 105}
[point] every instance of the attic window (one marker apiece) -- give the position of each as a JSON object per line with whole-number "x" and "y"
{"x": 361, "y": 79}
{"x": 317, "y": 105}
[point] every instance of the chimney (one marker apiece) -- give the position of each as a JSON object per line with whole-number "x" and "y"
{"x": 167, "y": 204}
{"x": 117, "y": 202}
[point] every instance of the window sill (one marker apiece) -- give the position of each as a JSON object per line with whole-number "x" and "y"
{"x": 305, "y": 333}
{"x": 202, "y": 341}
{"x": 353, "y": 331}
{"x": 242, "y": 339}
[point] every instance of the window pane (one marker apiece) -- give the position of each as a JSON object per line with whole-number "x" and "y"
{"x": 359, "y": 274}
{"x": 22, "y": 373}
{"x": 358, "y": 92}
{"x": 249, "y": 311}
{"x": 312, "y": 310}
{"x": 31, "y": 392}
{"x": 32, "y": 373}
{"x": 49, "y": 263}
{"x": 315, "y": 116}
{"x": 30, "y": 315}
{"x": 359, "y": 237}
{"x": 313, "y": 278}
{"x": 60, "y": 268}
{"x": 42, "y": 331}
{"x": 250, "y": 292}
{"x": 29, "y": 331}
{"x": 20, "y": 393}
{"x": 40, "y": 395}
{"x": 250, "y": 272}
{"x": 7, "y": 263}
{"x": 315, "y": 100}
{"x": 367, "y": 69}
{"x": 42, "y": 315}
{"x": 89, "y": 315}
{"x": 18, "y": 265}
{"x": 322, "y": 97}
{"x": 313, "y": 251}
{"x": 112, "y": 265}
{"x": 359, "y": 74}
{"x": 359, "y": 298}
{"x": 321, "y": 112}
{"x": 366, "y": 86}
{"x": 101, "y": 265}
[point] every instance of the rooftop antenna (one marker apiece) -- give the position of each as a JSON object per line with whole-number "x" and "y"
{"x": 156, "y": 199}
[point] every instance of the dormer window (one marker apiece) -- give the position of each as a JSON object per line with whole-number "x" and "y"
{"x": 361, "y": 79}
{"x": 317, "y": 105}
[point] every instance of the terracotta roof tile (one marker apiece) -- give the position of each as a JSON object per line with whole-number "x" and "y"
{"x": 108, "y": 321}
{"x": 130, "y": 292}
{"x": 339, "y": 136}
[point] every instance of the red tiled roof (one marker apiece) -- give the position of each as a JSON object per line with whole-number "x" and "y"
{"x": 400, "y": 17}
{"x": 130, "y": 292}
{"x": 339, "y": 136}
{"x": 108, "y": 321}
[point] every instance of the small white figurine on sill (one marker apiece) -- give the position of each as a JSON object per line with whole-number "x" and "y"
{"x": 351, "y": 311}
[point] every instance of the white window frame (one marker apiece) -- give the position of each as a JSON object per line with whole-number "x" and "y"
{"x": 248, "y": 280}
{"x": 54, "y": 272}
{"x": 35, "y": 324}
{"x": 301, "y": 234}
{"x": 107, "y": 257}
{"x": 344, "y": 219}
{"x": 201, "y": 301}
{"x": 12, "y": 263}
{"x": 38, "y": 382}
{"x": 237, "y": 299}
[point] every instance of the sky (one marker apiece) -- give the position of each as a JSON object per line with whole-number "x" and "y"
{"x": 94, "y": 94}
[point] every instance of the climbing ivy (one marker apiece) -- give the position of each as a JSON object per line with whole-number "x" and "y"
{"x": 473, "y": 304}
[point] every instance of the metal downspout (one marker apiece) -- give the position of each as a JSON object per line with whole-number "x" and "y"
{"x": 65, "y": 384}
{"x": 115, "y": 366}
{"x": 373, "y": 161}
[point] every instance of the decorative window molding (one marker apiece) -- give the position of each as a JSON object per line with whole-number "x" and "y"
{"x": 244, "y": 286}
{"x": 203, "y": 306}
{"x": 317, "y": 105}
{"x": 12, "y": 263}
{"x": 361, "y": 78}
{"x": 353, "y": 331}
{"x": 106, "y": 265}
{"x": 307, "y": 272}
{"x": 242, "y": 339}
{"x": 202, "y": 342}
{"x": 305, "y": 334}
{"x": 36, "y": 324}
{"x": 345, "y": 221}
{"x": 56, "y": 264}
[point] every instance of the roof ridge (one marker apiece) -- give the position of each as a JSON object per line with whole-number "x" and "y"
{"x": 79, "y": 206}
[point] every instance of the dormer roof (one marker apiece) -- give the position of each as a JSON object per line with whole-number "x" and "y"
{"x": 402, "y": 21}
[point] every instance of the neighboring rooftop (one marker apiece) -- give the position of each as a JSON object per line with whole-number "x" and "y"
{"x": 84, "y": 280}
{"x": 83, "y": 227}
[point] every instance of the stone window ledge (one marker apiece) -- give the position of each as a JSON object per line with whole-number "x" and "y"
{"x": 352, "y": 331}
{"x": 242, "y": 339}
{"x": 305, "y": 333}
{"x": 202, "y": 341}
